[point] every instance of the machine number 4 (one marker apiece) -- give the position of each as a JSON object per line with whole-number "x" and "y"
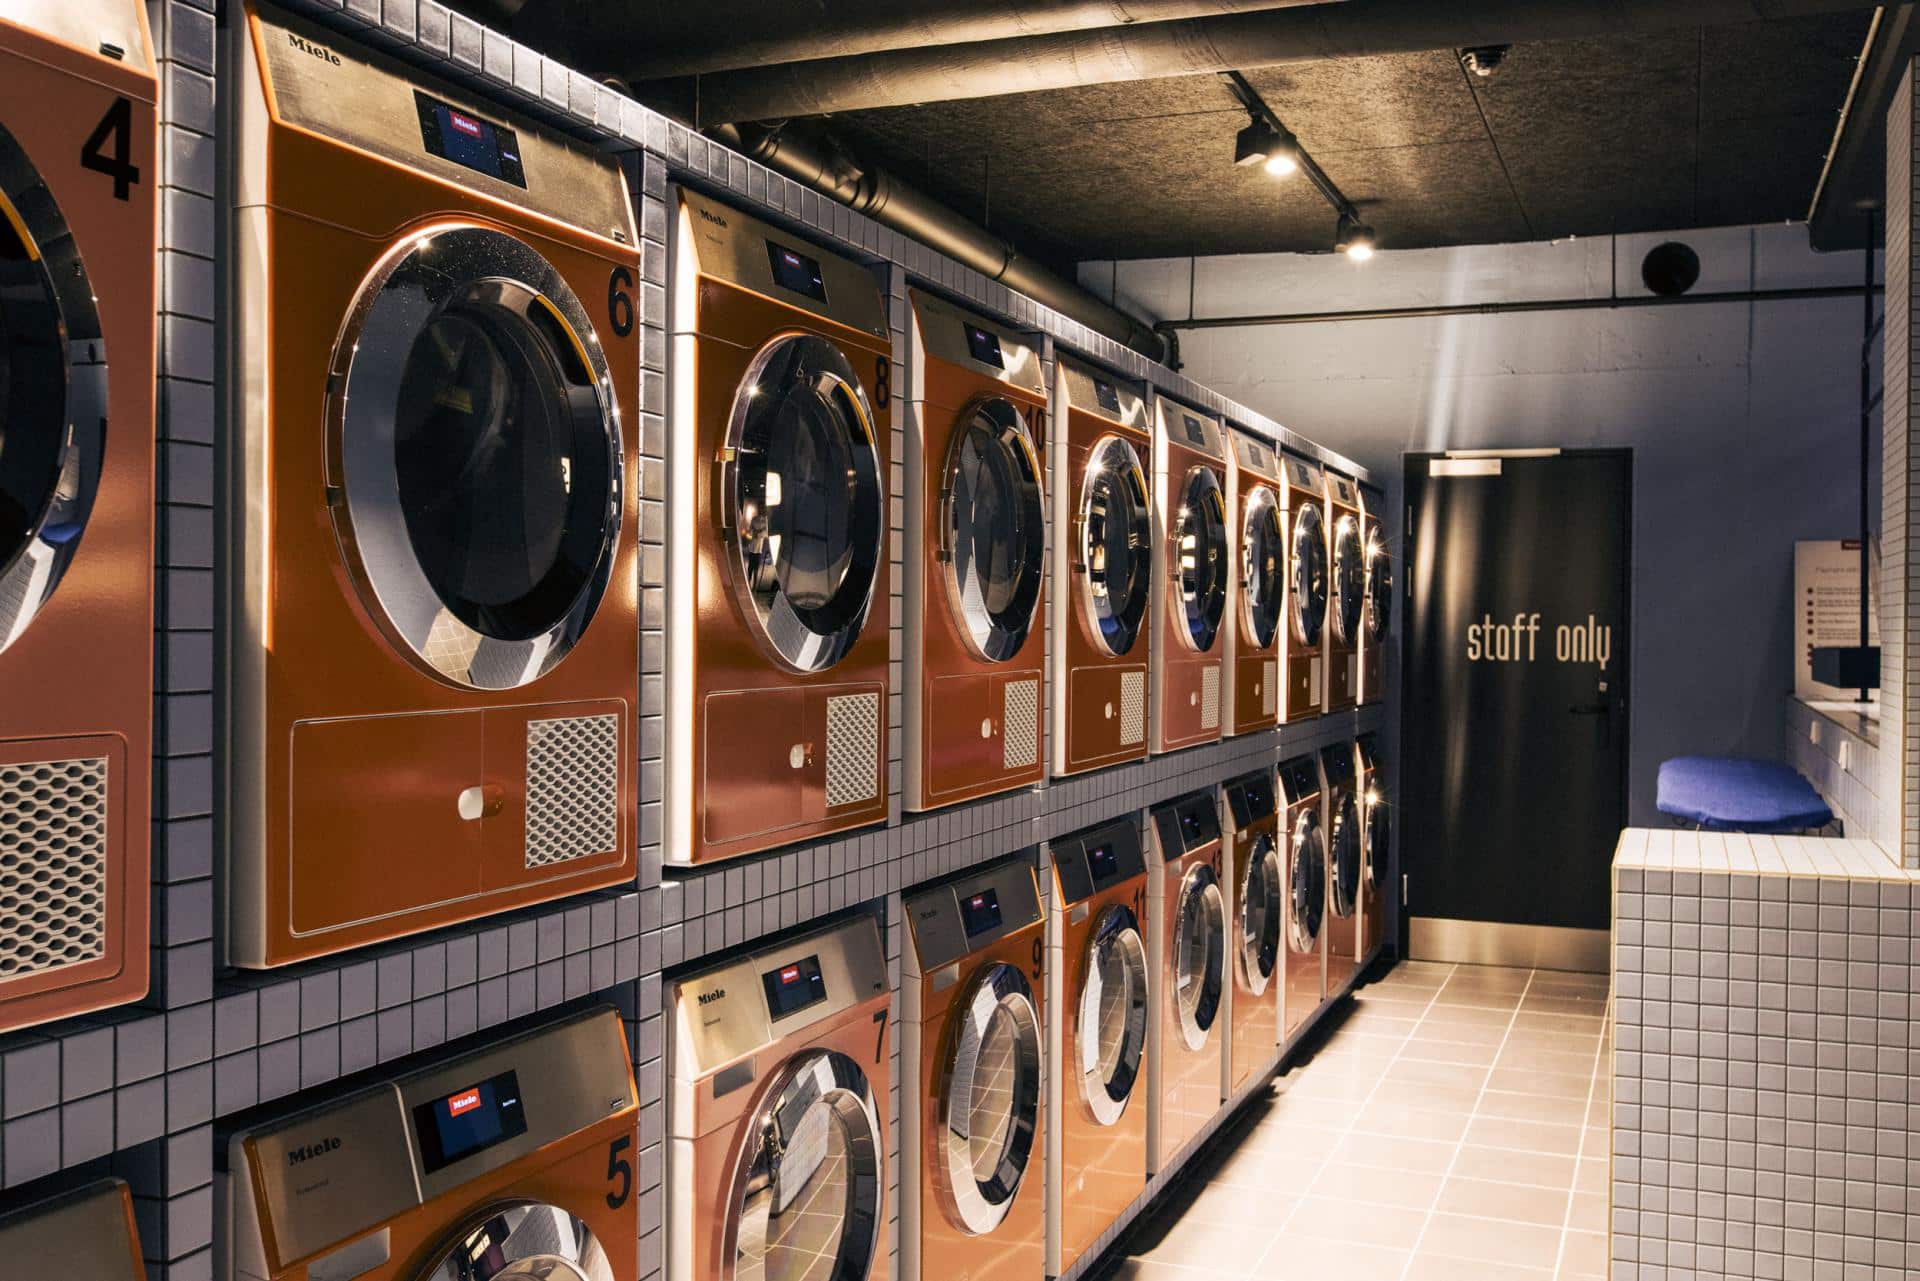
{"x": 115, "y": 127}
{"x": 620, "y": 1172}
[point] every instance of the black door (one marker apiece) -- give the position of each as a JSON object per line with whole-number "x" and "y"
{"x": 1514, "y": 723}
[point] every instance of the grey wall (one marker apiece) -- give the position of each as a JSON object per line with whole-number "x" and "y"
{"x": 1743, "y": 419}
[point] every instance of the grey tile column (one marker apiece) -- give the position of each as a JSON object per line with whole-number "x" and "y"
{"x": 1899, "y": 825}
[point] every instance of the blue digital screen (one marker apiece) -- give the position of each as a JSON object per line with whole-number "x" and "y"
{"x": 469, "y": 1120}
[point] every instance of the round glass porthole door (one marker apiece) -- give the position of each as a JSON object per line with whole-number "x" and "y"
{"x": 992, "y": 1104}
{"x": 523, "y": 1241}
{"x": 1309, "y": 575}
{"x": 53, "y": 394}
{"x": 1261, "y": 909}
{"x": 1379, "y": 838}
{"x": 1263, "y": 567}
{"x": 806, "y": 504}
{"x": 993, "y": 530}
{"x": 1349, "y": 579}
{"x": 1344, "y": 840}
{"x": 1307, "y": 885}
{"x": 1112, "y": 1017}
{"x": 1200, "y": 558}
{"x": 1116, "y": 545}
{"x": 1379, "y": 588}
{"x": 473, "y": 425}
{"x": 1199, "y": 954}
{"x": 808, "y": 1200}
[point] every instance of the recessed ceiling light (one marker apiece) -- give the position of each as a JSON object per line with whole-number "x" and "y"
{"x": 1354, "y": 238}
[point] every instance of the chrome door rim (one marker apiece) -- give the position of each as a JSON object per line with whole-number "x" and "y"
{"x": 1309, "y": 577}
{"x": 1306, "y": 902}
{"x": 1261, "y": 610}
{"x": 814, "y": 1078}
{"x": 55, "y": 529}
{"x": 982, "y": 1205}
{"x": 1349, "y": 580}
{"x": 1343, "y": 843}
{"x": 1260, "y": 948}
{"x": 1379, "y": 838}
{"x": 1199, "y": 584}
{"x": 996, "y": 636}
{"x": 1107, "y": 1096}
{"x": 560, "y": 1247}
{"x": 1115, "y": 621}
{"x": 1379, "y": 588}
{"x": 1197, "y": 1019}
{"x": 369, "y": 364}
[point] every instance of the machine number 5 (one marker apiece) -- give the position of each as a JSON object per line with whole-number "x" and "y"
{"x": 116, "y": 126}
{"x": 619, "y": 1171}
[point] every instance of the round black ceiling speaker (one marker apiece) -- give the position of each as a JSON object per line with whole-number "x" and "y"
{"x": 1670, "y": 269}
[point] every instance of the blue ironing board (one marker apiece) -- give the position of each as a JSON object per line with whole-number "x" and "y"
{"x": 1733, "y": 794}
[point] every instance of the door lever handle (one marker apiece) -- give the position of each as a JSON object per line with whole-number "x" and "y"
{"x": 1590, "y": 709}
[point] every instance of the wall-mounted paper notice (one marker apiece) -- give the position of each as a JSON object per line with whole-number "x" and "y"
{"x": 1826, "y": 606}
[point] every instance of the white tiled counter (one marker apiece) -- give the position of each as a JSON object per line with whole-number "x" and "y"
{"x": 1837, "y": 746}
{"x": 1766, "y": 1075}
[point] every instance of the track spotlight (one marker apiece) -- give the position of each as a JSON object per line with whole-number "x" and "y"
{"x": 1354, "y": 239}
{"x": 1261, "y": 144}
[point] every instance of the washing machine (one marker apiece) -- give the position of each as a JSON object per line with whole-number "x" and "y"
{"x": 1256, "y": 516}
{"x": 1346, "y": 851}
{"x": 1346, "y": 592}
{"x": 1187, "y": 912}
{"x": 777, "y": 1129}
{"x": 433, "y": 586}
{"x": 88, "y": 1234}
{"x": 1192, "y": 576}
{"x": 1100, "y": 985}
{"x": 976, "y": 557}
{"x": 1307, "y": 588}
{"x": 1376, "y": 830}
{"x": 777, "y": 564}
{"x": 1378, "y": 615}
{"x": 78, "y": 169}
{"x": 1302, "y": 828}
{"x": 1103, "y": 554}
{"x": 516, "y": 1161}
{"x": 1258, "y": 894}
{"x": 971, "y": 1046}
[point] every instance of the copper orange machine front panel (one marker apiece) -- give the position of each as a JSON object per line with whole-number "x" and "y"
{"x": 1346, "y": 852}
{"x": 1379, "y": 591}
{"x": 1307, "y": 588}
{"x": 1303, "y": 839}
{"x": 1257, "y": 533}
{"x": 78, "y": 173}
{"x": 1257, "y": 938}
{"x": 1189, "y": 910}
{"x": 1377, "y": 886}
{"x": 1346, "y": 601}
{"x": 1193, "y": 576}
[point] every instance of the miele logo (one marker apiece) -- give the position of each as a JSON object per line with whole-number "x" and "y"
{"x": 713, "y": 218}
{"x": 308, "y": 1151}
{"x": 319, "y": 51}
{"x": 708, "y": 998}
{"x": 465, "y": 1101}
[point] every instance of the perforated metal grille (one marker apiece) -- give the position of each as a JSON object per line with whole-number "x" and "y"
{"x": 573, "y": 788}
{"x": 53, "y": 865}
{"x": 853, "y": 749}
{"x": 1210, "y": 698}
{"x": 1270, "y": 688}
{"x": 1133, "y": 708}
{"x": 1020, "y": 739}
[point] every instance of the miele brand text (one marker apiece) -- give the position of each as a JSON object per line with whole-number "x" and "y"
{"x": 308, "y": 1151}
{"x": 708, "y": 998}
{"x": 713, "y": 218}
{"x": 319, "y": 51}
{"x": 1519, "y": 641}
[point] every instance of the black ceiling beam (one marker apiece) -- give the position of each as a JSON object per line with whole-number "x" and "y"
{"x": 1854, "y": 180}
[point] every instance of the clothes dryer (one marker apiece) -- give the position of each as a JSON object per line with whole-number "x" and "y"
{"x": 1302, "y": 827}
{"x": 1347, "y": 598}
{"x": 971, "y": 1037}
{"x": 976, "y": 557}
{"x": 1377, "y": 890}
{"x": 1192, "y": 576}
{"x": 1346, "y": 855}
{"x": 1378, "y": 615}
{"x": 433, "y": 628}
{"x": 1103, "y": 566}
{"x": 1307, "y": 588}
{"x": 777, "y": 1123}
{"x": 1100, "y": 987}
{"x": 777, "y": 578}
{"x": 88, "y": 1234}
{"x": 78, "y": 172}
{"x": 1188, "y": 909}
{"x": 1257, "y": 519}
{"x": 1258, "y": 936}
{"x": 512, "y": 1163}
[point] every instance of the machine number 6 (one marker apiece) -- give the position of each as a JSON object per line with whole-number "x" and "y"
{"x": 620, "y": 1171}
{"x": 620, "y": 302}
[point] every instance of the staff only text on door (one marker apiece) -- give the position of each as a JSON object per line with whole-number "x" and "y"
{"x": 1518, "y": 641}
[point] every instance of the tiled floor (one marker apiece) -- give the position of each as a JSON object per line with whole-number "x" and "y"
{"x": 1452, "y": 1128}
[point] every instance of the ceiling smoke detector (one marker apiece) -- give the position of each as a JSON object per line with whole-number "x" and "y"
{"x": 1482, "y": 61}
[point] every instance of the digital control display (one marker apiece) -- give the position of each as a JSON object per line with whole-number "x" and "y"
{"x": 980, "y": 912}
{"x": 792, "y": 988}
{"x": 1103, "y": 391}
{"x": 1195, "y": 432}
{"x": 1198, "y": 824}
{"x": 795, "y": 271}
{"x": 469, "y": 1121}
{"x": 1102, "y": 862}
{"x": 985, "y": 347}
{"x": 469, "y": 141}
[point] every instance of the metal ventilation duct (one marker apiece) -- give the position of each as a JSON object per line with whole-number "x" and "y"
{"x": 1356, "y": 29}
{"x": 831, "y": 170}
{"x": 651, "y": 38}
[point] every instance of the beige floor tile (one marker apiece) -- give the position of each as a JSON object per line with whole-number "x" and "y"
{"x": 1323, "y": 1087}
{"x": 1472, "y": 999}
{"x": 1279, "y": 1171}
{"x": 1403, "y": 1121}
{"x": 1546, "y": 1060}
{"x": 1585, "y": 1044}
{"x": 1565, "y": 1005}
{"x": 1555, "y": 1083}
{"x": 1525, "y": 1136}
{"x": 1463, "y": 1237}
{"x": 1218, "y": 1202}
{"x": 1507, "y": 1166}
{"x": 1425, "y": 1049}
{"x": 1589, "y": 1212}
{"x": 1585, "y": 1254}
{"x": 1390, "y": 1153}
{"x": 1532, "y": 1107}
{"x": 1294, "y": 1257}
{"x": 1578, "y": 1024}
{"x": 1408, "y": 1189}
{"x": 1409, "y": 1073}
{"x": 1466, "y": 1016}
{"x": 1594, "y": 1177}
{"x": 1545, "y": 1207}
{"x": 1492, "y": 1032}
{"x": 1147, "y": 1270}
{"x": 1228, "y": 1249}
{"x": 1427, "y": 1266}
{"x": 1440, "y": 1098}
{"x": 1394, "y": 1227}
